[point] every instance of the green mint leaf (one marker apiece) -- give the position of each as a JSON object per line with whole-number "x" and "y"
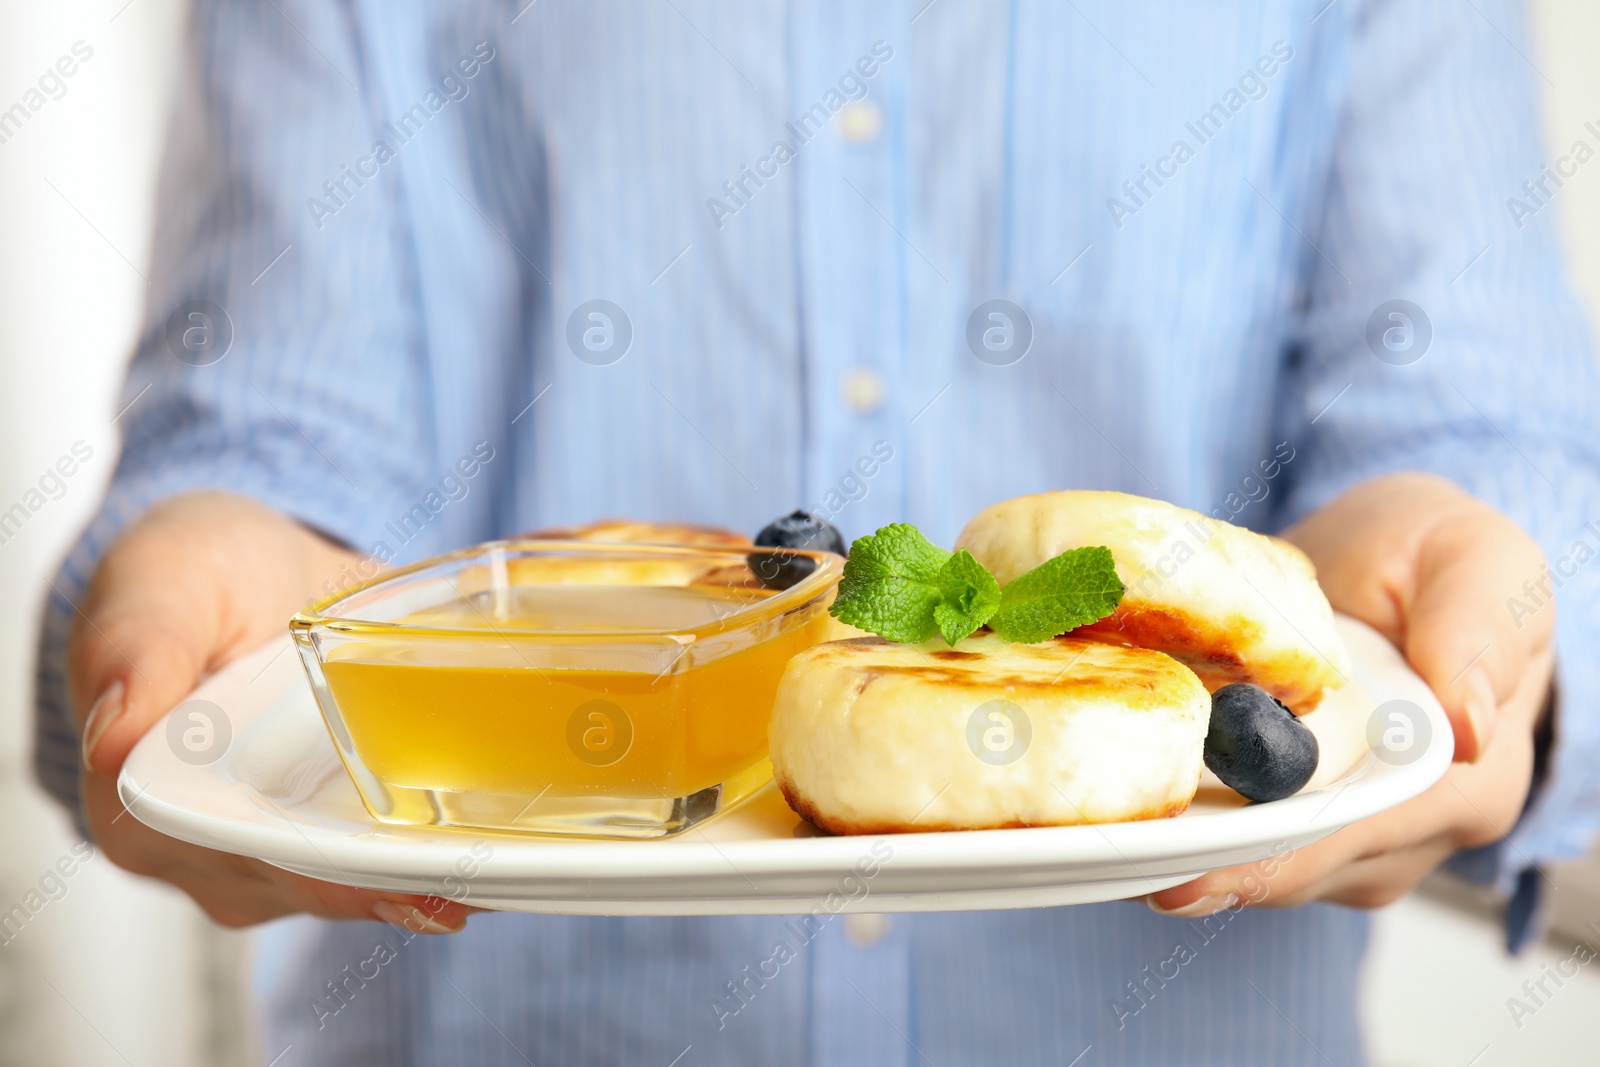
{"x": 891, "y": 584}
{"x": 971, "y": 596}
{"x": 1076, "y": 588}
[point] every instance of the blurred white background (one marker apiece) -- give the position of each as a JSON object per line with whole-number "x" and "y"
{"x": 123, "y": 971}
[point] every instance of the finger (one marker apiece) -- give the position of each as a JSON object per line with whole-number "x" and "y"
{"x": 1292, "y": 877}
{"x": 429, "y": 914}
{"x": 1460, "y": 636}
{"x": 1377, "y": 881}
{"x": 1473, "y": 805}
{"x": 1259, "y": 883}
{"x": 216, "y": 884}
{"x": 1283, "y": 881}
{"x": 237, "y": 891}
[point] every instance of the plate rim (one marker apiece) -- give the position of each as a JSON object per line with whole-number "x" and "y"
{"x": 426, "y": 852}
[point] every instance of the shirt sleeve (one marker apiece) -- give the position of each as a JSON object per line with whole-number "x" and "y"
{"x": 1489, "y": 376}
{"x": 279, "y": 356}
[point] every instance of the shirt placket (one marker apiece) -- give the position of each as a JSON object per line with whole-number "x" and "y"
{"x": 850, "y": 190}
{"x": 847, "y": 105}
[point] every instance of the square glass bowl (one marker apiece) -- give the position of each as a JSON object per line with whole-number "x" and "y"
{"x": 618, "y": 690}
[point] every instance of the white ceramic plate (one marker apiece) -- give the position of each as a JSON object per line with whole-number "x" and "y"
{"x": 279, "y": 793}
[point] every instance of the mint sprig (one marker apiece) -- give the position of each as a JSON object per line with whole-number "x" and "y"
{"x": 1073, "y": 589}
{"x": 900, "y": 586}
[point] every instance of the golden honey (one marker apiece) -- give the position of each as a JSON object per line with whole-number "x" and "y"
{"x": 507, "y": 725}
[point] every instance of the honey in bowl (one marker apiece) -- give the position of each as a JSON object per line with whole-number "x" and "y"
{"x": 618, "y": 690}
{"x": 576, "y": 730}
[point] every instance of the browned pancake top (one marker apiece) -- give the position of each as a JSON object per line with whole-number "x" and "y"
{"x": 1067, "y": 667}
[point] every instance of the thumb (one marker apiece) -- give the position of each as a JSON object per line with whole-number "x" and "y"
{"x": 134, "y": 654}
{"x": 194, "y": 582}
{"x": 1460, "y": 634}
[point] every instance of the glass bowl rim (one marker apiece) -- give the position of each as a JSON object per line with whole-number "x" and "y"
{"x": 314, "y": 616}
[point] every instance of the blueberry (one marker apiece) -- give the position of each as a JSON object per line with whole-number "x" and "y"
{"x": 798, "y": 529}
{"x": 1256, "y": 745}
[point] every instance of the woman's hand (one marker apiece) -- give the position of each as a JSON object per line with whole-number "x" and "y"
{"x": 1431, "y": 568}
{"x": 197, "y": 581}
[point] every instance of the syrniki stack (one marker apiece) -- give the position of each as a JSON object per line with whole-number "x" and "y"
{"x": 868, "y": 736}
{"x": 1106, "y": 722}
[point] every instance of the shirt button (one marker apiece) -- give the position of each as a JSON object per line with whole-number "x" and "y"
{"x": 864, "y": 929}
{"x": 863, "y": 389}
{"x": 860, "y": 122}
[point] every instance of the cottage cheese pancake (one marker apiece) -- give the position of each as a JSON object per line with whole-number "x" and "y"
{"x": 639, "y": 531}
{"x": 1234, "y": 605}
{"x": 868, "y": 736}
{"x": 637, "y": 569}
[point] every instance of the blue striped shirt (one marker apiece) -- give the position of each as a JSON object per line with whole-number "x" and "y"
{"x": 893, "y": 261}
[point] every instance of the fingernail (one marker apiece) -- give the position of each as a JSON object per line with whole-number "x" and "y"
{"x": 413, "y": 919}
{"x": 106, "y": 710}
{"x": 1208, "y": 905}
{"x": 1480, "y": 705}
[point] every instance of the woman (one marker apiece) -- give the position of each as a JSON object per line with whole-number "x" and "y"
{"x": 693, "y": 261}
